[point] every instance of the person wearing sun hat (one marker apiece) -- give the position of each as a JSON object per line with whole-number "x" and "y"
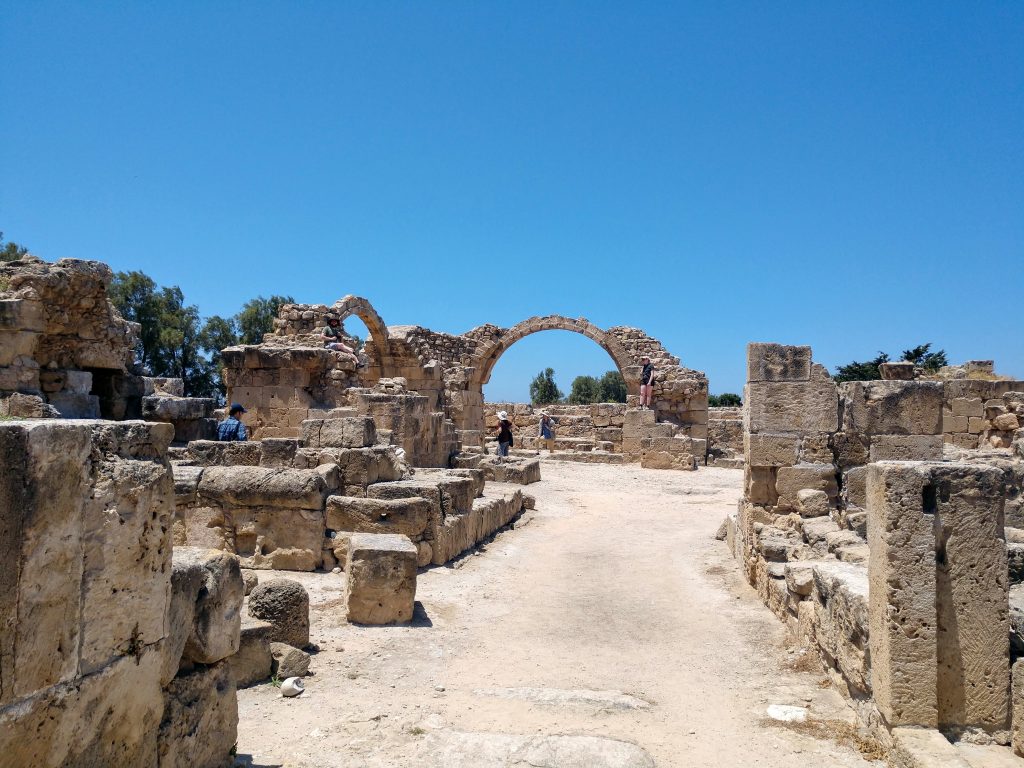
{"x": 504, "y": 434}
{"x": 232, "y": 429}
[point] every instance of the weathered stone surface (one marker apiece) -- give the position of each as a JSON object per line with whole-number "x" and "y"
{"x": 790, "y": 406}
{"x": 200, "y": 719}
{"x": 381, "y": 578}
{"x": 519, "y": 471}
{"x": 791, "y": 480}
{"x": 253, "y": 663}
{"x": 216, "y": 602}
{"x": 250, "y": 579}
{"x": 892, "y": 407}
{"x": 350, "y": 432}
{"x": 906, "y": 448}
{"x": 288, "y": 661}
{"x": 109, "y": 718}
{"x": 409, "y": 516}
{"x": 210, "y": 453}
{"x": 902, "y": 598}
{"x": 778, "y": 362}
{"x": 813, "y": 503}
{"x": 262, "y": 486}
{"x": 285, "y": 604}
{"x": 1017, "y": 706}
{"x": 925, "y": 748}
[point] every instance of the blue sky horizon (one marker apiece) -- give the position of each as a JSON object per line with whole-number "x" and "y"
{"x": 845, "y": 176}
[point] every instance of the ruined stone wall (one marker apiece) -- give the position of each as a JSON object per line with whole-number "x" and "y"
{"x": 597, "y": 426}
{"x": 98, "y": 666}
{"x": 981, "y": 414}
{"x": 725, "y": 437}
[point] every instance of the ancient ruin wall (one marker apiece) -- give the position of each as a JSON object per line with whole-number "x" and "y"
{"x": 97, "y": 660}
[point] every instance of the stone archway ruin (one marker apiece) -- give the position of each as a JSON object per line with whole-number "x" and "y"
{"x": 449, "y": 371}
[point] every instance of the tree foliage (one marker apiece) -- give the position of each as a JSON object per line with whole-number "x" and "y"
{"x": 610, "y": 388}
{"x": 725, "y": 400}
{"x": 175, "y": 341}
{"x": 920, "y": 355}
{"x": 11, "y": 251}
{"x": 543, "y": 390}
{"x": 585, "y": 389}
{"x": 257, "y": 317}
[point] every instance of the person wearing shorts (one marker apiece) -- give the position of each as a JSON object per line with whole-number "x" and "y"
{"x": 646, "y": 382}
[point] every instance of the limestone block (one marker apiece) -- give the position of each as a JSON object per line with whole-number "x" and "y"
{"x": 519, "y": 471}
{"x": 855, "y": 487}
{"x": 199, "y": 727}
{"x": 892, "y": 407}
{"x": 1007, "y": 422}
{"x": 636, "y": 422}
{"x": 925, "y": 748}
{"x": 216, "y": 604}
{"x": 906, "y": 448}
{"x": 967, "y": 406}
{"x": 972, "y": 596}
{"x": 263, "y": 486}
{"x": 250, "y": 578}
{"x": 841, "y": 618}
{"x": 349, "y": 432}
{"x": 409, "y": 516}
{"x": 1017, "y": 700}
{"x": 109, "y": 718}
{"x": 288, "y": 661}
{"x": 954, "y": 423}
{"x": 163, "y": 408}
{"x": 210, "y": 453}
{"x": 791, "y": 406}
{"x": 72, "y": 405}
{"x": 850, "y": 449}
{"x": 285, "y": 604}
{"x": 381, "y": 578}
{"x": 278, "y": 452}
{"x": 813, "y": 503}
{"x": 778, "y": 362}
{"x": 759, "y": 485}
{"x": 976, "y": 425}
{"x": 770, "y": 450}
{"x": 903, "y": 633}
{"x": 253, "y": 663}
{"x": 816, "y": 530}
{"x": 800, "y": 578}
{"x": 791, "y": 480}
{"x": 900, "y": 370}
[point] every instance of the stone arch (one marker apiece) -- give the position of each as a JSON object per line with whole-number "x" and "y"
{"x": 493, "y": 347}
{"x": 363, "y": 309}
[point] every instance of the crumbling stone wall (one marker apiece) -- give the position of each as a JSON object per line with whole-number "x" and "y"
{"x": 65, "y": 351}
{"x": 982, "y": 414}
{"x": 725, "y": 437}
{"x": 91, "y": 651}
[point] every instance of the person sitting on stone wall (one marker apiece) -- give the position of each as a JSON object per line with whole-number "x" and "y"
{"x": 232, "y": 429}
{"x": 331, "y": 337}
{"x": 504, "y": 434}
{"x": 547, "y": 431}
{"x": 646, "y": 382}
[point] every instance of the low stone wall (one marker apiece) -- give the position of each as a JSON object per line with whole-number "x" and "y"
{"x": 106, "y": 658}
{"x": 981, "y": 414}
{"x": 577, "y": 427}
{"x": 725, "y": 437}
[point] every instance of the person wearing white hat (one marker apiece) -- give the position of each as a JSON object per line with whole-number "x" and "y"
{"x": 504, "y": 434}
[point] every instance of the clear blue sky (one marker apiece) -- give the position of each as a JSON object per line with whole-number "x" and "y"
{"x": 845, "y": 175}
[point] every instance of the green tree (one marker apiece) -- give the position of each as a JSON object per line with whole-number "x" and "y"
{"x": 613, "y": 388}
{"x": 11, "y": 251}
{"x": 173, "y": 337}
{"x": 543, "y": 389}
{"x": 725, "y": 400}
{"x": 257, "y": 317}
{"x": 923, "y": 357}
{"x": 585, "y": 389}
{"x": 856, "y": 371}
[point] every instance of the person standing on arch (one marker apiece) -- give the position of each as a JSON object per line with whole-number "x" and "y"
{"x": 646, "y": 382}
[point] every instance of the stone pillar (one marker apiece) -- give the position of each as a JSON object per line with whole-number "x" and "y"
{"x": 901, "y": 594}
{"x": 939, "y": 612}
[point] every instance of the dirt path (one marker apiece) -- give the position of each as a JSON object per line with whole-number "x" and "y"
{"x": 608, "y": 628}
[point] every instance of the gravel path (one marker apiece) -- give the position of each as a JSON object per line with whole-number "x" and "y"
{"x": 608, "y": 629}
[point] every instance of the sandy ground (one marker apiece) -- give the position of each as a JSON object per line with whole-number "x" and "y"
{"x": 608, "y": 628}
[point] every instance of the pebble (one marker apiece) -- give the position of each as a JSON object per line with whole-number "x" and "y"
{"x": 335, "y": 569}
{"x": 439, "y": 688}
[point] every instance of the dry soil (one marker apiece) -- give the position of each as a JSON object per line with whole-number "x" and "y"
{"x": 607, "y": 629}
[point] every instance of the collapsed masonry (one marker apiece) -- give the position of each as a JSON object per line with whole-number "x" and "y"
{"x": 884, "y": 546}
{"x": 65, "y": 351}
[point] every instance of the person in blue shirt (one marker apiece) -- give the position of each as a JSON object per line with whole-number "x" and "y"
{"x": 232, "y": 428}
